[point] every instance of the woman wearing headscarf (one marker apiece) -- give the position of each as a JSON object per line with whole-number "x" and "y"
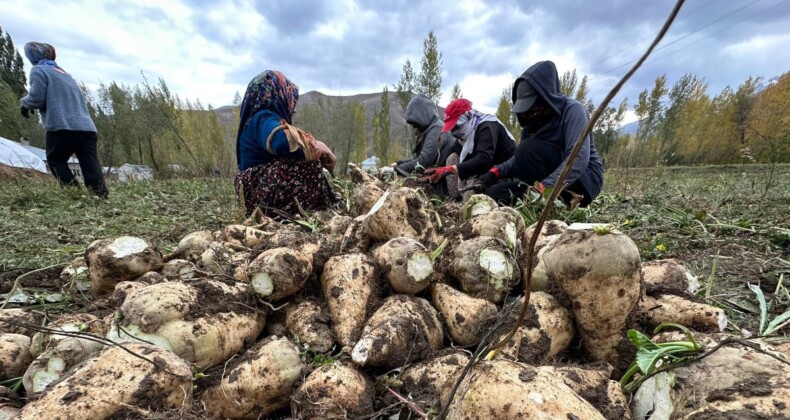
{"x": 64, "y": 115}
{"x": 281, "y": 167}
{"x": 484, "y": 142}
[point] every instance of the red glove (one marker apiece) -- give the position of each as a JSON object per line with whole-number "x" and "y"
{"x": 539, "y": 187}
{"x": 435, "y": 174}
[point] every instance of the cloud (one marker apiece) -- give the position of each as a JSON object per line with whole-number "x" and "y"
{"x": 209, "y": 50}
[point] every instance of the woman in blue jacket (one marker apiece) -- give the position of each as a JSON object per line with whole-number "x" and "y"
{"x": 281, "y": 167}
{"x": 551, "y": 122}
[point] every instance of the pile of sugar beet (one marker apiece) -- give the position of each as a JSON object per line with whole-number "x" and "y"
{"x": 376, "y": 313}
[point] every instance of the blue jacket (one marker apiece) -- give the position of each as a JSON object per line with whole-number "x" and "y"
{"x": 57, "y": 95}
{"x": 562, "y": 131}
{"x": 252, "y": 142}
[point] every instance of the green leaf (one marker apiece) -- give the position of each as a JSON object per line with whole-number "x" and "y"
{"x": 763, "y": 306}
{"x": 632, "y": 369}
{"x": 777, "y": 324}
{"x": 641, "y": 341}
{"x": 665, "y": 325}
{"x": 647, "y": 359}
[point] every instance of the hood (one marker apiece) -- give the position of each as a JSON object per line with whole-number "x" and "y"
{"x": 37, "y": 51}
{"x": 422, "y": 111}
{"x": 544, "y": 78}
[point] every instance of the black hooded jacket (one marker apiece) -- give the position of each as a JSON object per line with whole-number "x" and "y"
{"x": 559, "y": 134}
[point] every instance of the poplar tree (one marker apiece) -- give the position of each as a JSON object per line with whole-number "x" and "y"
{"x": 430, "y": 78}
{"x": 381, "y": 129}
{"x": 456, "y": 92}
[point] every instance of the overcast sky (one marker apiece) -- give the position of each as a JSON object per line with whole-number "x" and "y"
{"x": 208, "y": 50}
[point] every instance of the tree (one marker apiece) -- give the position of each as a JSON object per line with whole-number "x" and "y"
{"x": 405, "y": 86}
{"x": 770, "y": 123}
{"x": 581, "y": 96}
{"x": 381, "y": 130}
{"x": 12, "y": 70}
{"x": 10, "y": 120}
{"x": 568, "y": 82}
{"x": 570, "y": 86}
{"x": 687, "y": 88}
{"x": 743, "y": 103}
{"x": 456, "y": 93}
{"x": 359, "y": 136}
{"x": 650, "y": 109}
{"x": 236, "y": 99}
{"x": 404, "y": 90}
{"x": 607, "y": 129}
{"x": 429, "y": 82}
{"x": 503, "y": 112}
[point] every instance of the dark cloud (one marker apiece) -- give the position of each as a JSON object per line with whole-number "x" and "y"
{"x": 295, "y": 17}
{"x": 345, "y": 46}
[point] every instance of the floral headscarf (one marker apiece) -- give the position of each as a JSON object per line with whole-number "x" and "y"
{"x": 272, "y": 91}
{"x": 38, "y": 51}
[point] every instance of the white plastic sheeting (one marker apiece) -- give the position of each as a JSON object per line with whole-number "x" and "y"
{"x": 128, "y": 172}
{"x": 16, "y": 155}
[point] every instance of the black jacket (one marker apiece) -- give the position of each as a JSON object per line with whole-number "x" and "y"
{"x": 492, "y": 147}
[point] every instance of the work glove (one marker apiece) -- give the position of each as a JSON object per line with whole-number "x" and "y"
{"x": 539, "y": 187}
{"x": 386, "y": 172}
{"x": 436, "y": 174}
{"x": 25, "y": 111}
{"x": 489, "y": 178}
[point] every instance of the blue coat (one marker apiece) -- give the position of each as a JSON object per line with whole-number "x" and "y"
{"x": 252, "y": 142}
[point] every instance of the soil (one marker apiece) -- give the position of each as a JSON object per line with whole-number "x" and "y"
{"x": 48, "y": 279}
{"x": 417, "y": 218}
{"x": 13, "y": 174}
{"x": 212, "y": 300}
{"x": 757, "y": 386}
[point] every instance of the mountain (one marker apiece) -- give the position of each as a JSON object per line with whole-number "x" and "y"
{"x": 766, "y": 84}
{"x": 370, "y": 102}
{"x": 629, "y": 129}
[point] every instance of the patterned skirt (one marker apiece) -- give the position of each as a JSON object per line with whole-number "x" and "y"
{"x": 281, "y": 183}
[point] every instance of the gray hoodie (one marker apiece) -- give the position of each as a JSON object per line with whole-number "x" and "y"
{"x": 422, "y": 112}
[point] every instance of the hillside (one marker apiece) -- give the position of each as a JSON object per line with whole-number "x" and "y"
{"x": 370, "y": 103}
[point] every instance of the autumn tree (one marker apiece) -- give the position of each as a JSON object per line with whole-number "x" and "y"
{"x": 770, "y": 123}
{"x": 686, "y": 89}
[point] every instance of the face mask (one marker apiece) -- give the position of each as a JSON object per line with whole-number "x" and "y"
{"x": 462, "y": 129}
